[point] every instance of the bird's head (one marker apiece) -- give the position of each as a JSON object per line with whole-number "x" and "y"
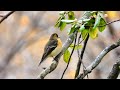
{"x": 54, "y": 36}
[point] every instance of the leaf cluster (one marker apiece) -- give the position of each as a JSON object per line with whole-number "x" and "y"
{"x": 91, "y": 25}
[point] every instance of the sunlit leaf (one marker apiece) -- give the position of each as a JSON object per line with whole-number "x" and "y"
{"x": 66, "y": 56}
{"x": 102, "y": 22}
{"x": 86, "y": 20}
{"x": 89, "y": 23}
{"x": 82, "y": 28}
{"x": 58, "y": 22}
{"x": 68, "y": 21}
{"x": 84, "y": 34}
{"x": 93, "y": 33}
{"x": 71, "y": 15}
{"x": 97, "y": 21}
{"x": 76, "y": 46}
{"x": 62, "y": 26}
{"x": 72, "y": 29}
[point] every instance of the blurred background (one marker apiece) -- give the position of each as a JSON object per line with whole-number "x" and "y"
{"x": 24, "y": 34}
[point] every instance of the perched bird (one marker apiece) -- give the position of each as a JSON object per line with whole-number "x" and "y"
{"x": 52, "y": 48}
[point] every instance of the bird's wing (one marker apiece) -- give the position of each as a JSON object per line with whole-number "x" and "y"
{"x": 50, "y": 46}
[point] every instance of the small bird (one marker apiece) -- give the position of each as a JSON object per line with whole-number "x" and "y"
{"x": 52, "y": 48}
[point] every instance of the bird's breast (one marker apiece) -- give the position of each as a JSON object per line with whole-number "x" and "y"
{"x": 57, "y": 50}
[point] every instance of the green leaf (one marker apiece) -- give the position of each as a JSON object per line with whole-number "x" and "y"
{"x": 93, "y": 33}
{"x": 84, "y": 34}
{"x": 89, "y": 23}
{"x": 82, "y": 28}
{"x": 66, "y": 56}
{"x": 102, "y": 22}
{"x": 72, "y": 29}
{"x": 68, "y": 21}
{"x": 58, "y": 22}
{"x": 97, "y": 21}
{"x": 76, "y": 46}
{"x": 71, "y": 15}
{"x": 86, "y": 20}
{"x": 62, "y": 26}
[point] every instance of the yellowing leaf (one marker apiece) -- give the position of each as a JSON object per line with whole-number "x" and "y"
{"x": 66, "y": 56}
{"x": 93, "y": 33}
{"x": 76, "y": 46}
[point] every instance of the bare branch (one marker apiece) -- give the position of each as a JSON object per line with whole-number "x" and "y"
{"x": 81, "y": 56}
{"x": 115, "y": 71}
{"x": 98, "y": 59}
{"x": 4, "y": 17}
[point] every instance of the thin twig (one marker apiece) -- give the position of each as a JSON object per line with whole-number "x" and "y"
{"x": 6, "y": 16}
{"x": 98, "y": 59}
{"x": 83, "y": 39}
{"x": 109, "y": 23}
{"x": 70, "y": 57}
{"x": 104, "y": 24}
{"x": 81, "y": 56}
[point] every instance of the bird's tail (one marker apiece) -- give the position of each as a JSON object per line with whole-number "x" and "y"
{"x": 39, "y": 63}
{"x": 43, "y": 58}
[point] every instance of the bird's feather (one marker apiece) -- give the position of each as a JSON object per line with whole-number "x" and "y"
{"x": 50, "y": 46}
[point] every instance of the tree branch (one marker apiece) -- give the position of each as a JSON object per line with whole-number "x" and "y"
{"x": 54, "y": 64}
{"x": 4, "y": 17}
{"x": 98, "y": 59}
{"x": 81, "y": 57}
{"x": 115, "y": 71}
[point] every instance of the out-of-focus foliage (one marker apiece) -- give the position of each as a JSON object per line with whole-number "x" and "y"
{"x": 28, "y": 31}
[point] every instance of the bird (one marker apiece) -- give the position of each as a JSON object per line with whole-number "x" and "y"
{"x": 52, "y": 47}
